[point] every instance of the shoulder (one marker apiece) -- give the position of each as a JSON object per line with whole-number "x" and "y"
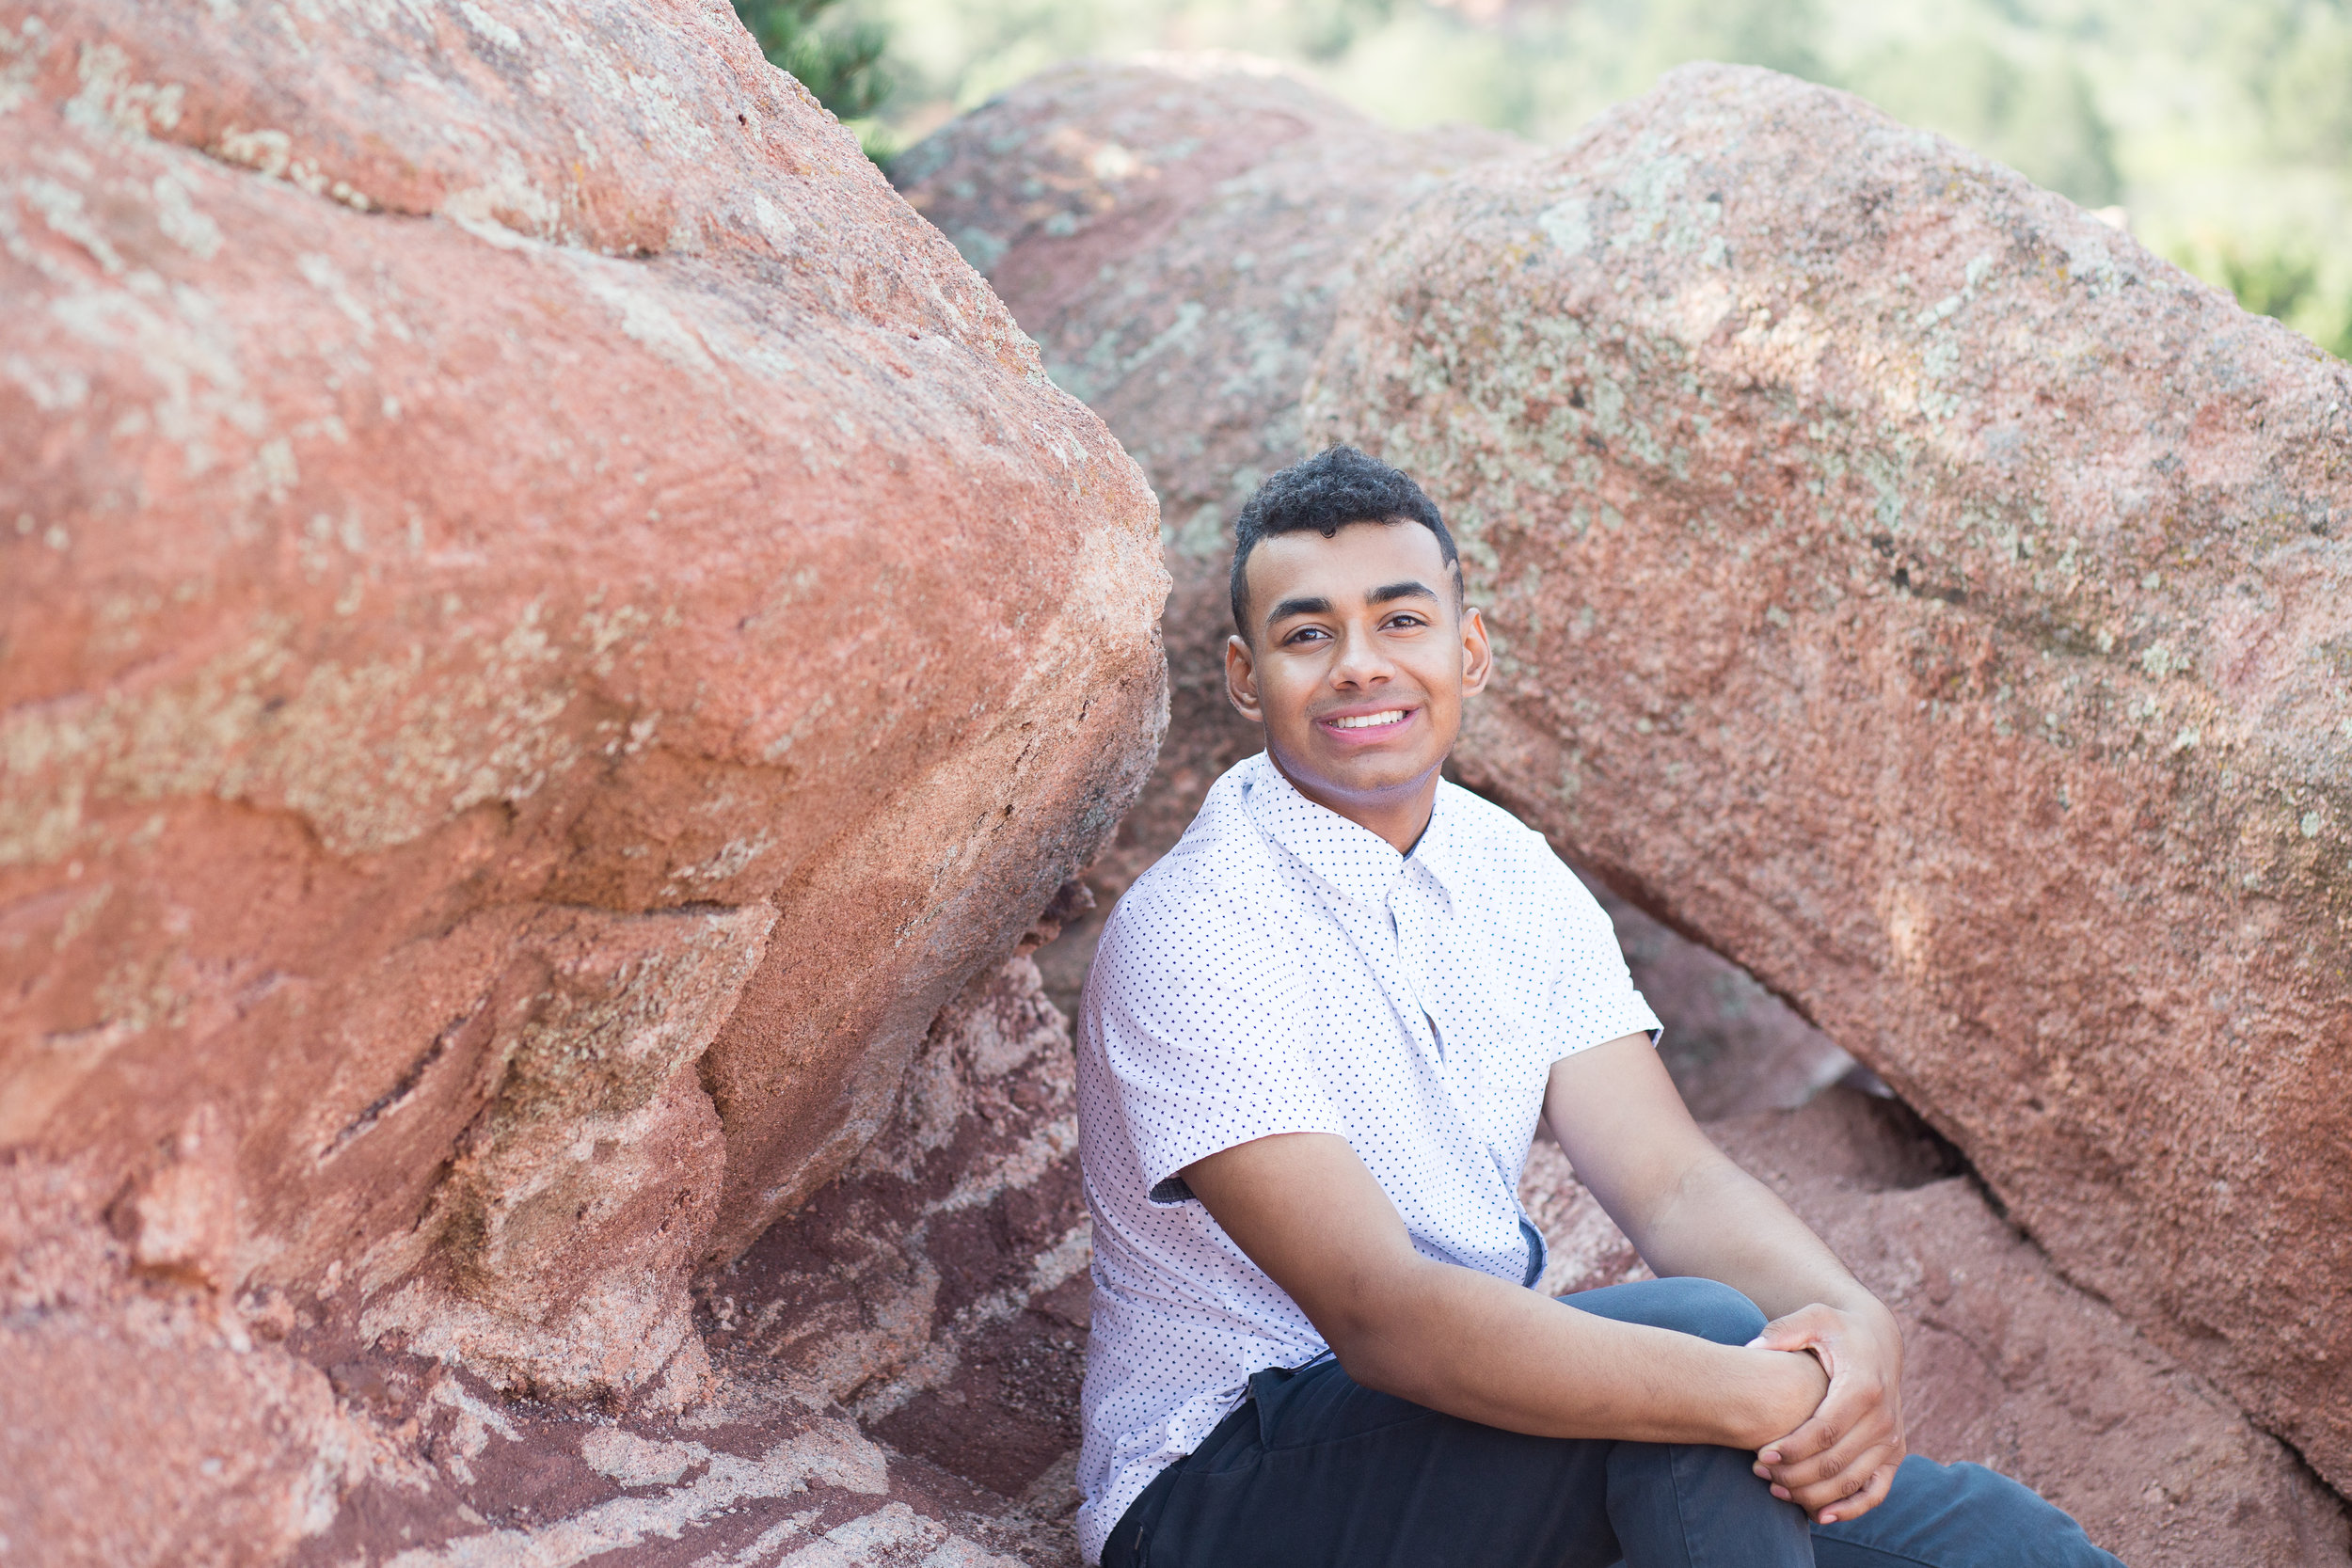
{"x": 1204, "y": 902}
{"x": 1480, "y": 821}
{"x": 1484, "y": 835}
{"x": 1514, "y": 862}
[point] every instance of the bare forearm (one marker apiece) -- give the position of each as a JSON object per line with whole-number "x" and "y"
{"x": 1489, "y": 1351}
{"x": 1307, "y": 1210}
{"x": 1721, "y": 1223}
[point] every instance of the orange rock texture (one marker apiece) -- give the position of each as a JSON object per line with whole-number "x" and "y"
{"x": 1943, "y": 607}
{"x": 547, "y": 625}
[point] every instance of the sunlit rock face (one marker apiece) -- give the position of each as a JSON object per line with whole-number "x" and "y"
{"x": 1942, "y": 607}
{"x": 550, "y": 624}
{"x": 1176, "y": 236}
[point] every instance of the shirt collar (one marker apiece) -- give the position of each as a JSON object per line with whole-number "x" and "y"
{"x": 1352, "y": 858}
{"x": 1438, "y": 851}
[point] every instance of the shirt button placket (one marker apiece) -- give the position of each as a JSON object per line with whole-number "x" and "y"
{"x": 1423, "y": 1023}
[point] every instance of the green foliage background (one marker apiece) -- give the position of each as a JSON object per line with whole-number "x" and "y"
{"x": 837, "y": 58}
{"x": 2222, "y": 127}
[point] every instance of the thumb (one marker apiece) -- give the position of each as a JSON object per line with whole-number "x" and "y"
{"x": 1799, "y": 1330}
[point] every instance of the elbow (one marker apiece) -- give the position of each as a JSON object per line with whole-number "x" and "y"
{"x": 1357, "y": 1345}
{"x": 1378, "y": 1340}
{"x": 1379, "y": 1367}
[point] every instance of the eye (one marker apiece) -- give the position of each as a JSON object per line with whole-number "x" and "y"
{"x": 1406, "y": 620}
{"x": 1305, "y": 634}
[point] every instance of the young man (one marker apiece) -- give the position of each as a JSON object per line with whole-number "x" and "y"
{"x": 1311, "y": 1054}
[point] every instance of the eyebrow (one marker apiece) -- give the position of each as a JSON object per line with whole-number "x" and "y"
{"x": 1287, "y": 608}
{"x": 1316, "y": 605}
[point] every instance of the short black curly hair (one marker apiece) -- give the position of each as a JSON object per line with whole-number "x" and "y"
{"x": 1337, "y": 487}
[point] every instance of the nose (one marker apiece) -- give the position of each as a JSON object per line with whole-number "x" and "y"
{"x": 1362, "y": 663}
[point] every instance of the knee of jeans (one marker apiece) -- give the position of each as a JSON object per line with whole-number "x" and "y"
{"x": 1713, "y": 1311}
{"x": 2006, "y": 1506}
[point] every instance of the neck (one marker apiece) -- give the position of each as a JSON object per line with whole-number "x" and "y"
{"x": 1399, "y": 813}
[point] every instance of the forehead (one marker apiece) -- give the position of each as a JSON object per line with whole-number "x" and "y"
{"x": 1342, "y": 568}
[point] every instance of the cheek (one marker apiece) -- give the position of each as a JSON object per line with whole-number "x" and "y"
{"x": 1285, "y": 686}
{"x": 1439, "y": 672}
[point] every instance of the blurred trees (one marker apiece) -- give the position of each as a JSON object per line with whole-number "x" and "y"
{"x": 2295, "y": 59}
{"x": 842, "y": 66}
{"x": 2222, "y": 127}
{"x": 2040, "y": 118}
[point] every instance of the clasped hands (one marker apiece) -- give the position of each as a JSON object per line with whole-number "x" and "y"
{"x": 1842, "y": 1462}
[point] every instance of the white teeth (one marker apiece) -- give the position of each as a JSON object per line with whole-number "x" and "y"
{"x": 1370, "y": 721}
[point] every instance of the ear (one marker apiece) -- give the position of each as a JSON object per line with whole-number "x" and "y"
{"x": 1241, "y": 680}
{"x": 1478, "y": 659}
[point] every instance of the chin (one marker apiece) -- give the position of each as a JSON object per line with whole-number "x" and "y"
{"x": 1368, "y": 777}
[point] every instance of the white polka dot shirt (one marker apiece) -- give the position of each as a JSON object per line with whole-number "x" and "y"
{"x": 1283, "y": 970}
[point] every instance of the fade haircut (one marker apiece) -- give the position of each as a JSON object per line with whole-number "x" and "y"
{"x": 1335, "y": 487}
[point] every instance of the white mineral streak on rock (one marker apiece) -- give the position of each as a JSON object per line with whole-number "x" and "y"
{"x": 635, "y": 1461}
{"x": 831, "y": 1453}
{"x": 894, "y": 1537}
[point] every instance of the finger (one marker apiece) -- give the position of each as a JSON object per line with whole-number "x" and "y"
{"x": 1829, "y": 1423}
{"x": 1875, "y": 1427}
{"x": 1862, "y": 1501}
{"x": 1825, "y": 1496}
{"x": 1799, "y": 1329}
{"x": 1838, "y": 1494}
{"x": 1853, "y": 1477}
{"x": 1864, "y": 1438}
{"x": 1807, "y": 1442}
{"x": 1852, "y": 1403}
{"x": 1882, "y": 1481}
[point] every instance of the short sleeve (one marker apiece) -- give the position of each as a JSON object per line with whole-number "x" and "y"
{"x": 1198, "y": 1021}
{"x": 1593, "y": 998}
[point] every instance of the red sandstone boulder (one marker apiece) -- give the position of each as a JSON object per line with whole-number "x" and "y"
{"x": 2006, "y": 1365}
{"x": 551, "y": 624}
{"x": 1942, "y": 606}
{"x": 1731, "y": 1045}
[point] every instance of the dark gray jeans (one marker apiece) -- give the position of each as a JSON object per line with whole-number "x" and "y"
{"x": 1315, "y": 1469}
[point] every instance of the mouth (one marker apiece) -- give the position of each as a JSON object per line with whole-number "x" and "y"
{"x": 1368, "y": 724}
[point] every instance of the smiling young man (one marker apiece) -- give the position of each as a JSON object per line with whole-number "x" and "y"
{"x": 1312, "y": 1051}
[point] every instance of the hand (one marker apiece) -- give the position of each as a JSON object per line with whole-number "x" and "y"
{"x": 1840, "y": 1463}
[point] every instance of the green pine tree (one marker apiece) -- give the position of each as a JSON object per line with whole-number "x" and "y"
{"x": 841, "y": 66}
